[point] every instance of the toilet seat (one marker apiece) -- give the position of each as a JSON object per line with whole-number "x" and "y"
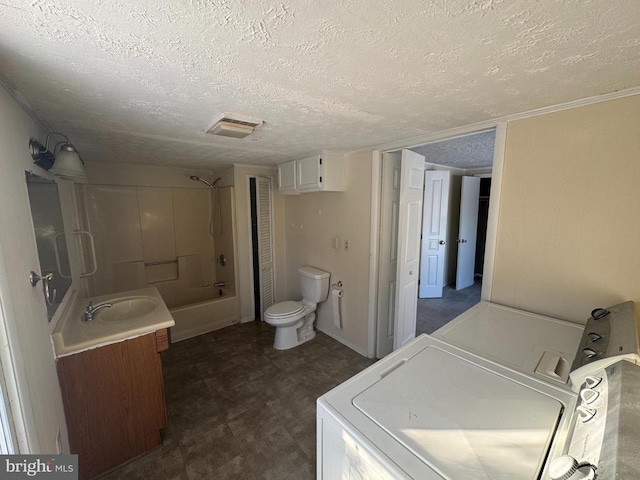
{"x": 285, "y": 309}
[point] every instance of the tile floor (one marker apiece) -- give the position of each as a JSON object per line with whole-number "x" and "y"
{"x": 239, "y": 409}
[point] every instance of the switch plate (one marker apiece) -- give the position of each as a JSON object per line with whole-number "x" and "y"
{"x": 335, "y": 243}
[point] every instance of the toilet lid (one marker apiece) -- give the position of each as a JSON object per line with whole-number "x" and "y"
{"x": 285, "y": 309}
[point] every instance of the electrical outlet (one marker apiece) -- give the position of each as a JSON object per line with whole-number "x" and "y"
{"x": 347, "y": 245}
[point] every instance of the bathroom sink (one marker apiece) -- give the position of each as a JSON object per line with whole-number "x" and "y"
{"x": 132, "y": 313}
{"x": 127, "y": 308}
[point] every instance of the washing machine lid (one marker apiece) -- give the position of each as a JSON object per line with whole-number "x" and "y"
{"x": 516, "y": 338}
{"x": 285, "y": 309}
{"x": 462, "y": 420}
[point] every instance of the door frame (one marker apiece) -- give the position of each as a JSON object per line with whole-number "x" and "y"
{"x": 11, "y": 419}
{"x": 500, "y": 129}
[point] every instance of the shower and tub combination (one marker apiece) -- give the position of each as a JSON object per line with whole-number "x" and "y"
{"x": 179, "y": 239}
{"x": 216, "y": 211}
{"x": 220, "y": 304}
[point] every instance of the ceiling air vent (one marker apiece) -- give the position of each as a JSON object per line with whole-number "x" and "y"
{"x": 230, "y": 125}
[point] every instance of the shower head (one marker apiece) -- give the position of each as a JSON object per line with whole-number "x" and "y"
{"x": 198, "y": 179}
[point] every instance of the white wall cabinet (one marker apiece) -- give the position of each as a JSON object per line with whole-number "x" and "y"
{"x": 319, "y": 173}
{"x": 287, "y": 177}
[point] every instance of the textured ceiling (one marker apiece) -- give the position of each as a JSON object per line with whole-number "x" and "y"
{"x": 468, "y": 152}
{"x": 140, "y": 81}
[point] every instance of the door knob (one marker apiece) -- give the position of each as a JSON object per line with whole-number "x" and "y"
{"x": 441, "y": 242}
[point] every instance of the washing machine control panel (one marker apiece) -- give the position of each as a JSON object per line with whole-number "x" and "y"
{"x": 601, "y": 444}
{"x": 610, "y": 334}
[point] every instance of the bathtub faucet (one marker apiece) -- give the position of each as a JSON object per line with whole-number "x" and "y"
{"x": 219, "y": 285}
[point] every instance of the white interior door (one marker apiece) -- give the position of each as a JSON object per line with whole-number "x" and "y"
{"x": 265, "y": 242}
{"x": 468, "y": 232}
{"x": 388, "y": 263}
{"x": 434, "y": 233}
{"x": 409, "y": 228}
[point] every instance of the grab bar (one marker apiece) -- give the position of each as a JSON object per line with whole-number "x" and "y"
{"x": 92, "y": 252}
{"x": 57, "y": 254}
{"x": 164, "y": 262}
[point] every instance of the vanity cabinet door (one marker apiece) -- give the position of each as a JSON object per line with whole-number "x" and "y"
{"x": 114, "y": 403}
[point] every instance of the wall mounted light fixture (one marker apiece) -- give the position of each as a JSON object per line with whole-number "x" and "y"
{"x": 64, "y": 161}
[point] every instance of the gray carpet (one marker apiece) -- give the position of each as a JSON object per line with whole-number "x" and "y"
{"x": 435, "y": 312}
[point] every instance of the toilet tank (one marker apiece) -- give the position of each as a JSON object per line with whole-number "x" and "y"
{"x": 314, "y": 284}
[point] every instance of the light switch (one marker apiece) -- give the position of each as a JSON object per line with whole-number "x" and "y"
{"x": 335, "y": 243}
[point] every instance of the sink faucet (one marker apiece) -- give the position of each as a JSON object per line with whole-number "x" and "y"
{"x": 90, "y": 311}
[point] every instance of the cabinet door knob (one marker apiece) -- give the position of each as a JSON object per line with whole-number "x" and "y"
{"x": 441, "y": 242}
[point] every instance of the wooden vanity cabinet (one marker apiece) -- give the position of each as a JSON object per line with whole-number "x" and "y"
{"x": 114, "y": 401}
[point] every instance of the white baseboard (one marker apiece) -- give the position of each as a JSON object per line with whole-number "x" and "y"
{"x": 345, "y": 342}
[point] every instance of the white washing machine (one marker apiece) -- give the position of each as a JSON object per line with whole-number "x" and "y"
{"x": 432, "y": 410}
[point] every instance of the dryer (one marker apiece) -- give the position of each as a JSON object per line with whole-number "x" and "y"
{"x": 547, "y": 348}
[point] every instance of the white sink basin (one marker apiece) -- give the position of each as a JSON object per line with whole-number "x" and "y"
{"x": 132, "y": 314}
{"x": 127, "y": 308}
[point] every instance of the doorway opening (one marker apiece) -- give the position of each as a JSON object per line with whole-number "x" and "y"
{"x": 455, "y": 215}
{"x": 462, "y": 165}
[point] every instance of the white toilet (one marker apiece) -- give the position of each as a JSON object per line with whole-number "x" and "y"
{"x": 294, "y": 320}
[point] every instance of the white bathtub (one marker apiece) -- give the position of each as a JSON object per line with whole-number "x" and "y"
{"x": 198, "y": 318}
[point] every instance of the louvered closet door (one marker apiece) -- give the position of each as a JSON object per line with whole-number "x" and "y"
{"x": 265, "y": 242}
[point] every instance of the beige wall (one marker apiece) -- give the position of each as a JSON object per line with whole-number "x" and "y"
{"x": 569, "y": 231}
{"x": 24, "y": 334}
{"x": 243, "y": 236}
{"x": 312, "y": 220}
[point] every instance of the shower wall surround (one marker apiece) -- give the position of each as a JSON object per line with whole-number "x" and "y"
{"x": 158, "y": 235}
